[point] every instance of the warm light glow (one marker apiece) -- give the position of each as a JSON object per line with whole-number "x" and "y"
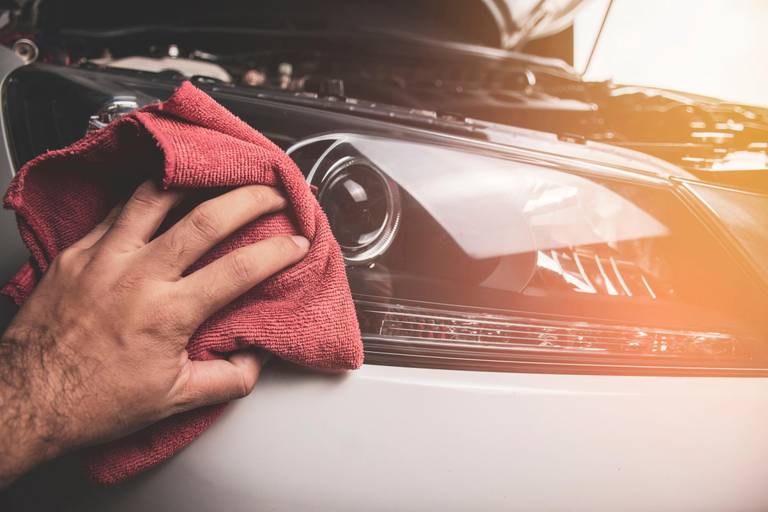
{"x": 709, "y": 47}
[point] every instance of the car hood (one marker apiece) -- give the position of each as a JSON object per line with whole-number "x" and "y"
{"x": 506, "y": 24}
{"x": 523, "y": 20}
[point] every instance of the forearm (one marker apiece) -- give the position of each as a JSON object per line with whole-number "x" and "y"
{"x": 32, "y": 385}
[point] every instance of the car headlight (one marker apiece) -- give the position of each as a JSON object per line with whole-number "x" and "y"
{"x": 468, "y": 258}
{"x": 467, "y": 254}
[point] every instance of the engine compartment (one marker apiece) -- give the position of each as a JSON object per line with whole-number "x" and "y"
{"x": 417, "y": 57}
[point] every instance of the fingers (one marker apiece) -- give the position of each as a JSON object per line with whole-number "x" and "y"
{"x": 220, "y": 380}
{"x": 210, "y": 222}
{"x": 141, "y": 216}
{"x": 98, "y": 231}
{"x": 223, "y": 280}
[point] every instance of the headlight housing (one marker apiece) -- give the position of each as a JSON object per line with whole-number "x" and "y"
{"x": 470, "y": 258}
{"x": 527, "y": 254}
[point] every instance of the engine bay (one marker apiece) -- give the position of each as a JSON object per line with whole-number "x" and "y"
{"x": 441, "y": 69}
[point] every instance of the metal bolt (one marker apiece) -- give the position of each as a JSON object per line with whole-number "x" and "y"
{"x": 111, "y": 111}
{"x": 26, "y": 49}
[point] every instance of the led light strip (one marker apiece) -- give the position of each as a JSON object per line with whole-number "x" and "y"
{"x": 423, "y": 336}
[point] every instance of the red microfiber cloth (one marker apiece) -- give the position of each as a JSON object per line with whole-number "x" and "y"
{"x": 304, "y": 314}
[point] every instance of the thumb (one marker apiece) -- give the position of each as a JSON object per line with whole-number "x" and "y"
{"x": 220, "y": 380}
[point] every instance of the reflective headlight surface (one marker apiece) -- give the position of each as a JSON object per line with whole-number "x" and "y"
{"x": 466, "y": 258}
{"x": 363, "y": 206}
{"x": 476, "y": 246}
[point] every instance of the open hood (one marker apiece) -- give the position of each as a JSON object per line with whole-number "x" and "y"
{"x": 506, "y": 24}
{"x": 521, "y": 21}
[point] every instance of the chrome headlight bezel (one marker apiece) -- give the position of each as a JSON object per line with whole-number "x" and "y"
{"x": 378, "y": 241}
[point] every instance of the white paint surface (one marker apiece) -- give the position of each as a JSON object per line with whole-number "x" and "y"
{"x": 386, "y": 438}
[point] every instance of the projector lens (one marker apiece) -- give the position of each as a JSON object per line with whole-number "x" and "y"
{"x": 362, "y": 206}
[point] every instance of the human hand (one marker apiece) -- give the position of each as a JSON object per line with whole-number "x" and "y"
{"x": 98, "y": 350}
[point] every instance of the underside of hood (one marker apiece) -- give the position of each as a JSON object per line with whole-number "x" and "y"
{"x": 507, "y": 24}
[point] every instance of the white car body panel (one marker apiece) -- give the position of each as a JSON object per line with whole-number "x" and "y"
{"x": 388, "y": 438}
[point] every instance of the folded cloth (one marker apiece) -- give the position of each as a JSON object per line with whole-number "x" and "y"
{"x": 303, "y": 314}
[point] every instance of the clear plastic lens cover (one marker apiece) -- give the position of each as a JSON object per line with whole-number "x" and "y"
{"x": 472, "y": 230}
{"x": 745, "y": 215}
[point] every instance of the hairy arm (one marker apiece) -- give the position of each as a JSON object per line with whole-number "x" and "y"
{"x": 33, "y": 373}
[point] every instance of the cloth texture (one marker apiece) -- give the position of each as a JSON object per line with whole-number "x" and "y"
{"x": 303, "y": 314}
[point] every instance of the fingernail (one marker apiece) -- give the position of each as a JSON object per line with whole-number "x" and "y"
{"x": 301, "y": 242}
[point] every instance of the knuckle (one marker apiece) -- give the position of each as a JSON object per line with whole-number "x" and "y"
{"x": 183, "y": 317}
{"x": 146, "y": 195}
{"x": 199, "y": 295}
{"x": 242, "y": 268}
{"x": 204, "y": 222}
{"x": 68, "y": 260}
{"x": 132, "y": 283}
{"x": 259, "y": 195}
{"x": 176, "y": 244}
{"x": 245, "y": 386}
{"x": 165, "y": 319}
{"x": 186, "y": 398}
{"x": 266, "y": 197}
{"x": 207, "y": 296}
{"x": 285, "y": 246}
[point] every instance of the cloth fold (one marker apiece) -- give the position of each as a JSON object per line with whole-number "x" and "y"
{"x": 304, "y": 314}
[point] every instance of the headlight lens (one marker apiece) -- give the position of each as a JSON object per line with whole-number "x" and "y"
{"x": 744, "y": 215}
{"x": 363, "y": 208}
{"x": 488, "y": 261}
